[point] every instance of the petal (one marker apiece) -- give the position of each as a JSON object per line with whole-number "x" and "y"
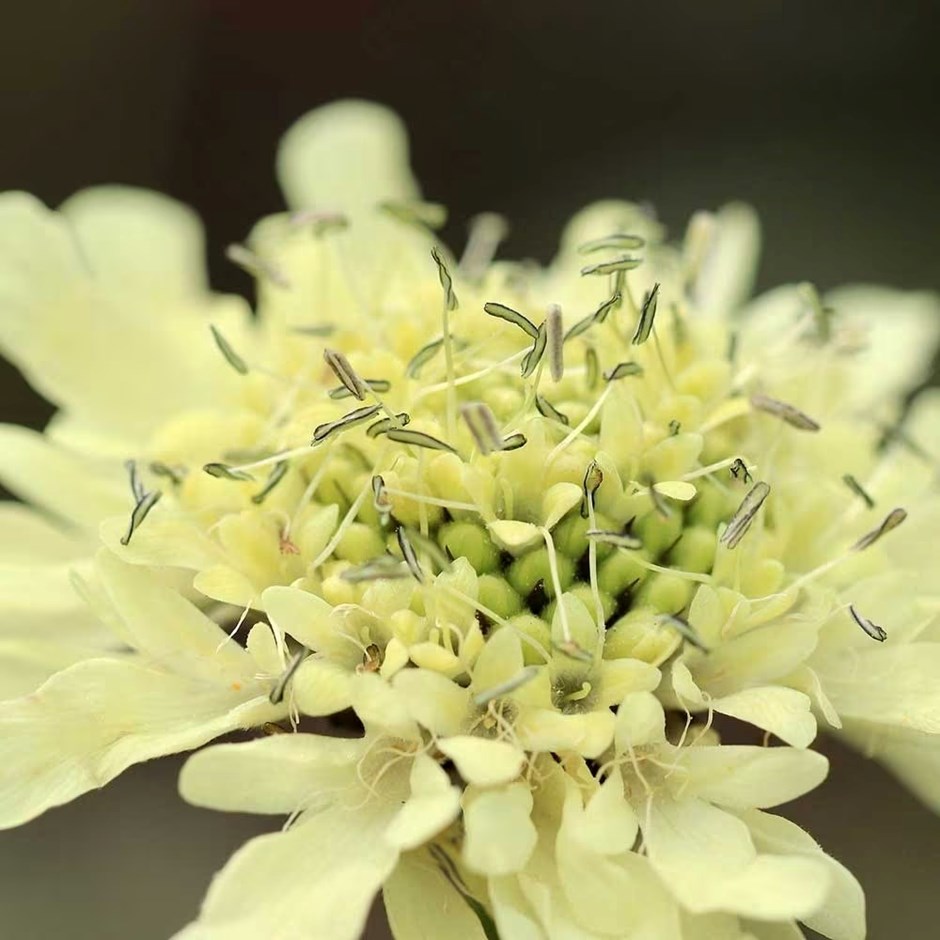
{"x": 433, "y": 805}
{"x": 64, "y": 484}
{"x": 483, "y": 762}
{"x": 710, "y": 864}
{"x": 26, "y": 663}
{"x": 729, "y": 265}
{"x": 315, "y": 881}
{"x": 277, "y": 774}
{"x": 608, "y": 824}
{"x": 30, "y": 538}
{"x": 640, "y": 720}
{"x": 301, "y": 614}
{"x": 783, "y": 712}
{"x": 133, "y": 239}
{"x": 159, "y": 621}
{"x": 434, "y": 701}
{"x": 892, "y": 685}
{"x": 500, "y": 835}
{"x": 345, "y": 156}
{"x": 588, "y": 734}
{"x": 842, "y": 917}
{"x": 165, "y": 539}
{"x": 743, "y": 777}
{"x": 91, "y": 722}
{"x": 422, "y": 904}
{"x": 321, "y": 687}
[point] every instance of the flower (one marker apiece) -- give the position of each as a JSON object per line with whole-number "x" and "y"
{"x": 535, "y": 530}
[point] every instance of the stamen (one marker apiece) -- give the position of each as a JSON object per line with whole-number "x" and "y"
{"x": 487, "y": 230}
{"x": 256, "y": 266}
{"x": 741, "y": 521}
{"x": 554, "y": 343}
{"x": 345, "y": 373}
{"x": 450, "y": 303}
{"x": 891, "y": 521}
{"x": 619, "y": 539}
{"x": 384, "y": 425}
{"x": 224, "y": 472}
{"x": 483, "y": 427}
{"x": 138, "y": 490}
{"x": 547, "y": 410}
{"x": 871, "y": 628}
{"x": 625, "y": 263}
{"x": 592, "y": 368}
{"x": 622, "y": 370}
{"x": 372, "y": 661}
{"x": 322, "y": 431}
{"x": 787, "y": 412}
{"x": 277, "y": 693}
{"x": 232, "y": 357}
{"x": 380, "y": 500}
{"x": 593, "y": 477}
{"x": 674, "y": 427}
{"x": 275, "y": 477}
{"x": 432, "y": 500}
{"x": 534, "y": 355}
{"x": 419, "y": 439}
{"x": 599, "y": 316}
{"x": 424, "y": 355}
{"x": 408, "y": 553}
{"x": 526, "y": 674}
{"x": 617, "y": 242}
{"x": 173, "y": 474}
{"x": 374, "y": 385}
{"x": 514, "y": 441}
{"x": 647, "y": 316}
{"x": 382, "y": 568}
{"x": 858, "y": 490}
{"x": 502, "y": 312}
{"x": 684, "y": 629}
{"x": 739, "y": 468}
{"x": 139, "y": 513}
{"x": 585, "y": 421}
{"x": 447, "y": 283}
{"x": 317, "y": 329}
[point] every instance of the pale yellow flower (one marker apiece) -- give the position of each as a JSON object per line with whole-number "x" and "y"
{"x": 536, "y": 527}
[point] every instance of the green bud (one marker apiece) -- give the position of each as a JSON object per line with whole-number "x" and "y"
{"x": 570, "y": 535}
{"x": 640, "y": 634}
{"x": 667, "y": 593}
{"x": 528, "y": 625}
{"x": 527, "y": 570}
{"x": 497, "y": 594}
{"x": 619, "y": 571}
{"x": 360, "y": 543}
{"x": 711, "y": 506}
{"x": 584, "y": 594}
{"x": 659, "y": 532}
{"x": 468, "y": 540}
{"x": 695, "y": 550}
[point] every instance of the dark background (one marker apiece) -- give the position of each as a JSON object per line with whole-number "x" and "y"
{"x": 823, "y": 115}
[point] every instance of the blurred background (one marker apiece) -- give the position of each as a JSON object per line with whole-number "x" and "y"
{"x": 822, "y": 115}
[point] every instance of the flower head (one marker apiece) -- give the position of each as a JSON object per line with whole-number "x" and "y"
{"x": 535, "y": 527}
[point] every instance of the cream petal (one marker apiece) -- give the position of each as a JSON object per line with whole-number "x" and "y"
{"x": 744, "y": 777}
{"x": 500, "y": 835}
{"x": 902, "y": 330}
{"x": 433, "y": 805}
{"x": 434, "y": 701}
{"x": 422, "y": 904}
{"x": 321, "y": 687}
{"x": 640, "y": 720}
{"x": 133, "y": 239}
{"x": 301, "y": 614}
{"x": 588, "y": 734}
{"x": 379, "y": 706}
{"x": 160, "y": 622}
{"x": 164, "y": 539}
{"x": 316, "y": 881}
{"x": 608, "y": 824}
{"x": 71, "y": 487}
{"x": 729, "y": 266}
{"x": 91, "y": 722}
{"x": 511, "y": 910}
{"x": 842, "y": 917}
{"x": 31, "y": 538}
{"x": 709, "y": 862}
{"x": 895, "y": 686}
{"x": 783, "y": 712}
{"x": 26, "y": 663}
{"x": 483, "y": 762}
{"x": 279, "y": 774}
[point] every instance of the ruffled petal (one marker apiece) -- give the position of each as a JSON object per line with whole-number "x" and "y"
{"x": 422, "y": 904}
{"x": 314, "y": 882}
{"x": 500, "y": 835}
{"x": 483, "y": 762}
{"x": 88, "y": 724}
